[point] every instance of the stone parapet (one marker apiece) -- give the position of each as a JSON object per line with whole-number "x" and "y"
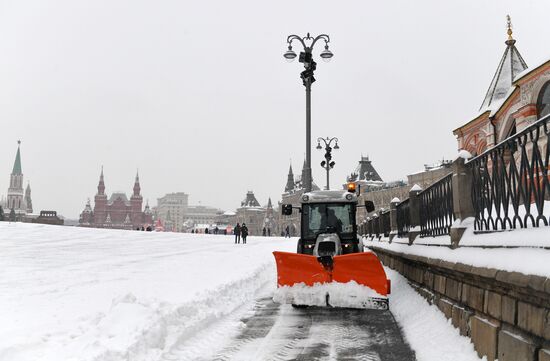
{"x": 506, "y": 314}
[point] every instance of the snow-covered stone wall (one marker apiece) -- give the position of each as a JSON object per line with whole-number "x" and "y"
{"x": 505, "y": 313}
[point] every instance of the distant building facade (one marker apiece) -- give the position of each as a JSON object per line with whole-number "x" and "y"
{"x": 172, "y": 210}
{"x": 251, "y": 213}
{"x": 118, "y": 211}
{"x": 48, "y": 217}
{"x": 431, "y": 174}
{"x": 199, "y": 217}
{"x": 270, "y": 220}
{"x": 371, "y": 187}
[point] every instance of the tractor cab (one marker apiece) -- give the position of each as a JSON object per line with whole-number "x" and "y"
{"x": 328, "y": 223}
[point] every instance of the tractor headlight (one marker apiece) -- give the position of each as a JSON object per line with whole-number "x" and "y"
{"x": 305, "y": 198}
{"x": 349, "y": 197}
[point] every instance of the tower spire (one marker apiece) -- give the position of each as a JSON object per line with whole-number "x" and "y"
{"x": 101, "y": 185}
{"x": 289, "y": 180}
{"x": 137, "y": 187}
{"x": 511, "y": 64}
{"x": 17, "y": 170}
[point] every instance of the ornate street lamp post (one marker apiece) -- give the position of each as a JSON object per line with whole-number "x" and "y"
{"x": 310, "y": 66}
{"x": 328, "y": 164}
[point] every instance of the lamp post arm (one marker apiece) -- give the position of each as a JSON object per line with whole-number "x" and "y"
{"x": 295, "y": 37}
{"x": 325, "y": 37}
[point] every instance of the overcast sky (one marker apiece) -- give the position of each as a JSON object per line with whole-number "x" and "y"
{"x": 198, "y": 96}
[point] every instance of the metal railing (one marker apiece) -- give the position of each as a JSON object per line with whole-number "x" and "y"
{"x": 378, "y": 225}
{"x": 511, "y": 181}
{"x": 403, "y": 218}
{"x": 436, "y": 208}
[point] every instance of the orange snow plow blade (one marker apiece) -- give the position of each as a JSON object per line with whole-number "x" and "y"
{"x": 364, "y": 268}
{"x": 317, "y": 285}
{"x": 293, "y": 268}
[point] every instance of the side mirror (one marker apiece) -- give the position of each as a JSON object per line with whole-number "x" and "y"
{"x": 369, "y": 205}
{"x": 286, "y": 209}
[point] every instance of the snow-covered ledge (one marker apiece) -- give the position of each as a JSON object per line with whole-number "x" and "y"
{"x": 498, "y": 297}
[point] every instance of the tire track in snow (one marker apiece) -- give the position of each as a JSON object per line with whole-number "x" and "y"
{"x": 281, "y": 333}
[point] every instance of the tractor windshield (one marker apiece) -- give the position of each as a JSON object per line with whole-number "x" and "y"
{"x": 322, "y": 217}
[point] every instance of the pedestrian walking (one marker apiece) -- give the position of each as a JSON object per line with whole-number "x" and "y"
{"x": 244, "y": 232}
{"x": 287, "y": 232}
{"x": 269, "y": 232}
{"x": 237, "y": 233}
{"x": 264, "y": 232}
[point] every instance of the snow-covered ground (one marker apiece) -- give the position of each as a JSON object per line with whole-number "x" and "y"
{"x": 76, "y": 294}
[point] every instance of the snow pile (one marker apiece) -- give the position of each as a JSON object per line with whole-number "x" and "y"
{"x": 425, "y": 327}
{"x": 349, "y": 294}
{"x": 464, "y": 154}
{"x": 533, "y": 261}
{"x": 416, "y": 188}
{"x": 77, "y": 294}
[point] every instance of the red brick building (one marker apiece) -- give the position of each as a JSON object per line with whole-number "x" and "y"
{"x": 118, "y": 211}
{"x": 517, "y": 97}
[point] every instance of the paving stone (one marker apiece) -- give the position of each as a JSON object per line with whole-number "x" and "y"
{"x": 453, "y": 289}
{"x": 546, "y": 331}
{"x": 439, "y": 284}
{"x": 446, "y": 307}
{"x": 493, "y": 304}
{"x": 460, "y": 318}
{"x": 537, "y": 283}
{"x": 509, "y": 309}
{"x": 418, "y": 275}
{"x": 427, "y": 294}
{"x": 513, "y": 347}
{"x": 515, "y": 278}
{"x": 447, "y": 265}
{"x": 484, "y": 272}
{"x": 428, "y": 279}
{"x": 531, "y": 318}
{"x": 464, "y": 268}
{"x": 544, "y": 355}
{"x": 433, "y": 262}
{"x": 484, "y": 336}
{"x": 472, "y": 296}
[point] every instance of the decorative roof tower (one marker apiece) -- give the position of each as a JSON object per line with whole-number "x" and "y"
{"x": 304, "y": 175}
{"x": 16, "y": 201}
{"x": 250, "y": 200}
{"x": 509, "y": 67}
{"x": 28, "y": 200}
{"x": 365, "y": 171}
{"x": 289, "y": 181}
{"x": 101, "y": 184}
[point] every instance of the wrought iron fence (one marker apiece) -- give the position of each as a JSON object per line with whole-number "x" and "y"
{"x": 378, "y": 225}
{"x": 436, "y": 208}
{"x": 403, "y": 218}
{"x": 511, "y": 181}
{"x": 385, "y": 226}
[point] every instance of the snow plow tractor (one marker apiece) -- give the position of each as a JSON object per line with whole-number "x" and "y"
{"x": 330, "y": 267}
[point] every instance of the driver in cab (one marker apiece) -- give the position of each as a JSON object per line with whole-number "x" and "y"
{"x": 329, "y": 221}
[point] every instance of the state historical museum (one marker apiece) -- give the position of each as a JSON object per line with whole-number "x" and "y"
{"x": 117, "y": 211}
